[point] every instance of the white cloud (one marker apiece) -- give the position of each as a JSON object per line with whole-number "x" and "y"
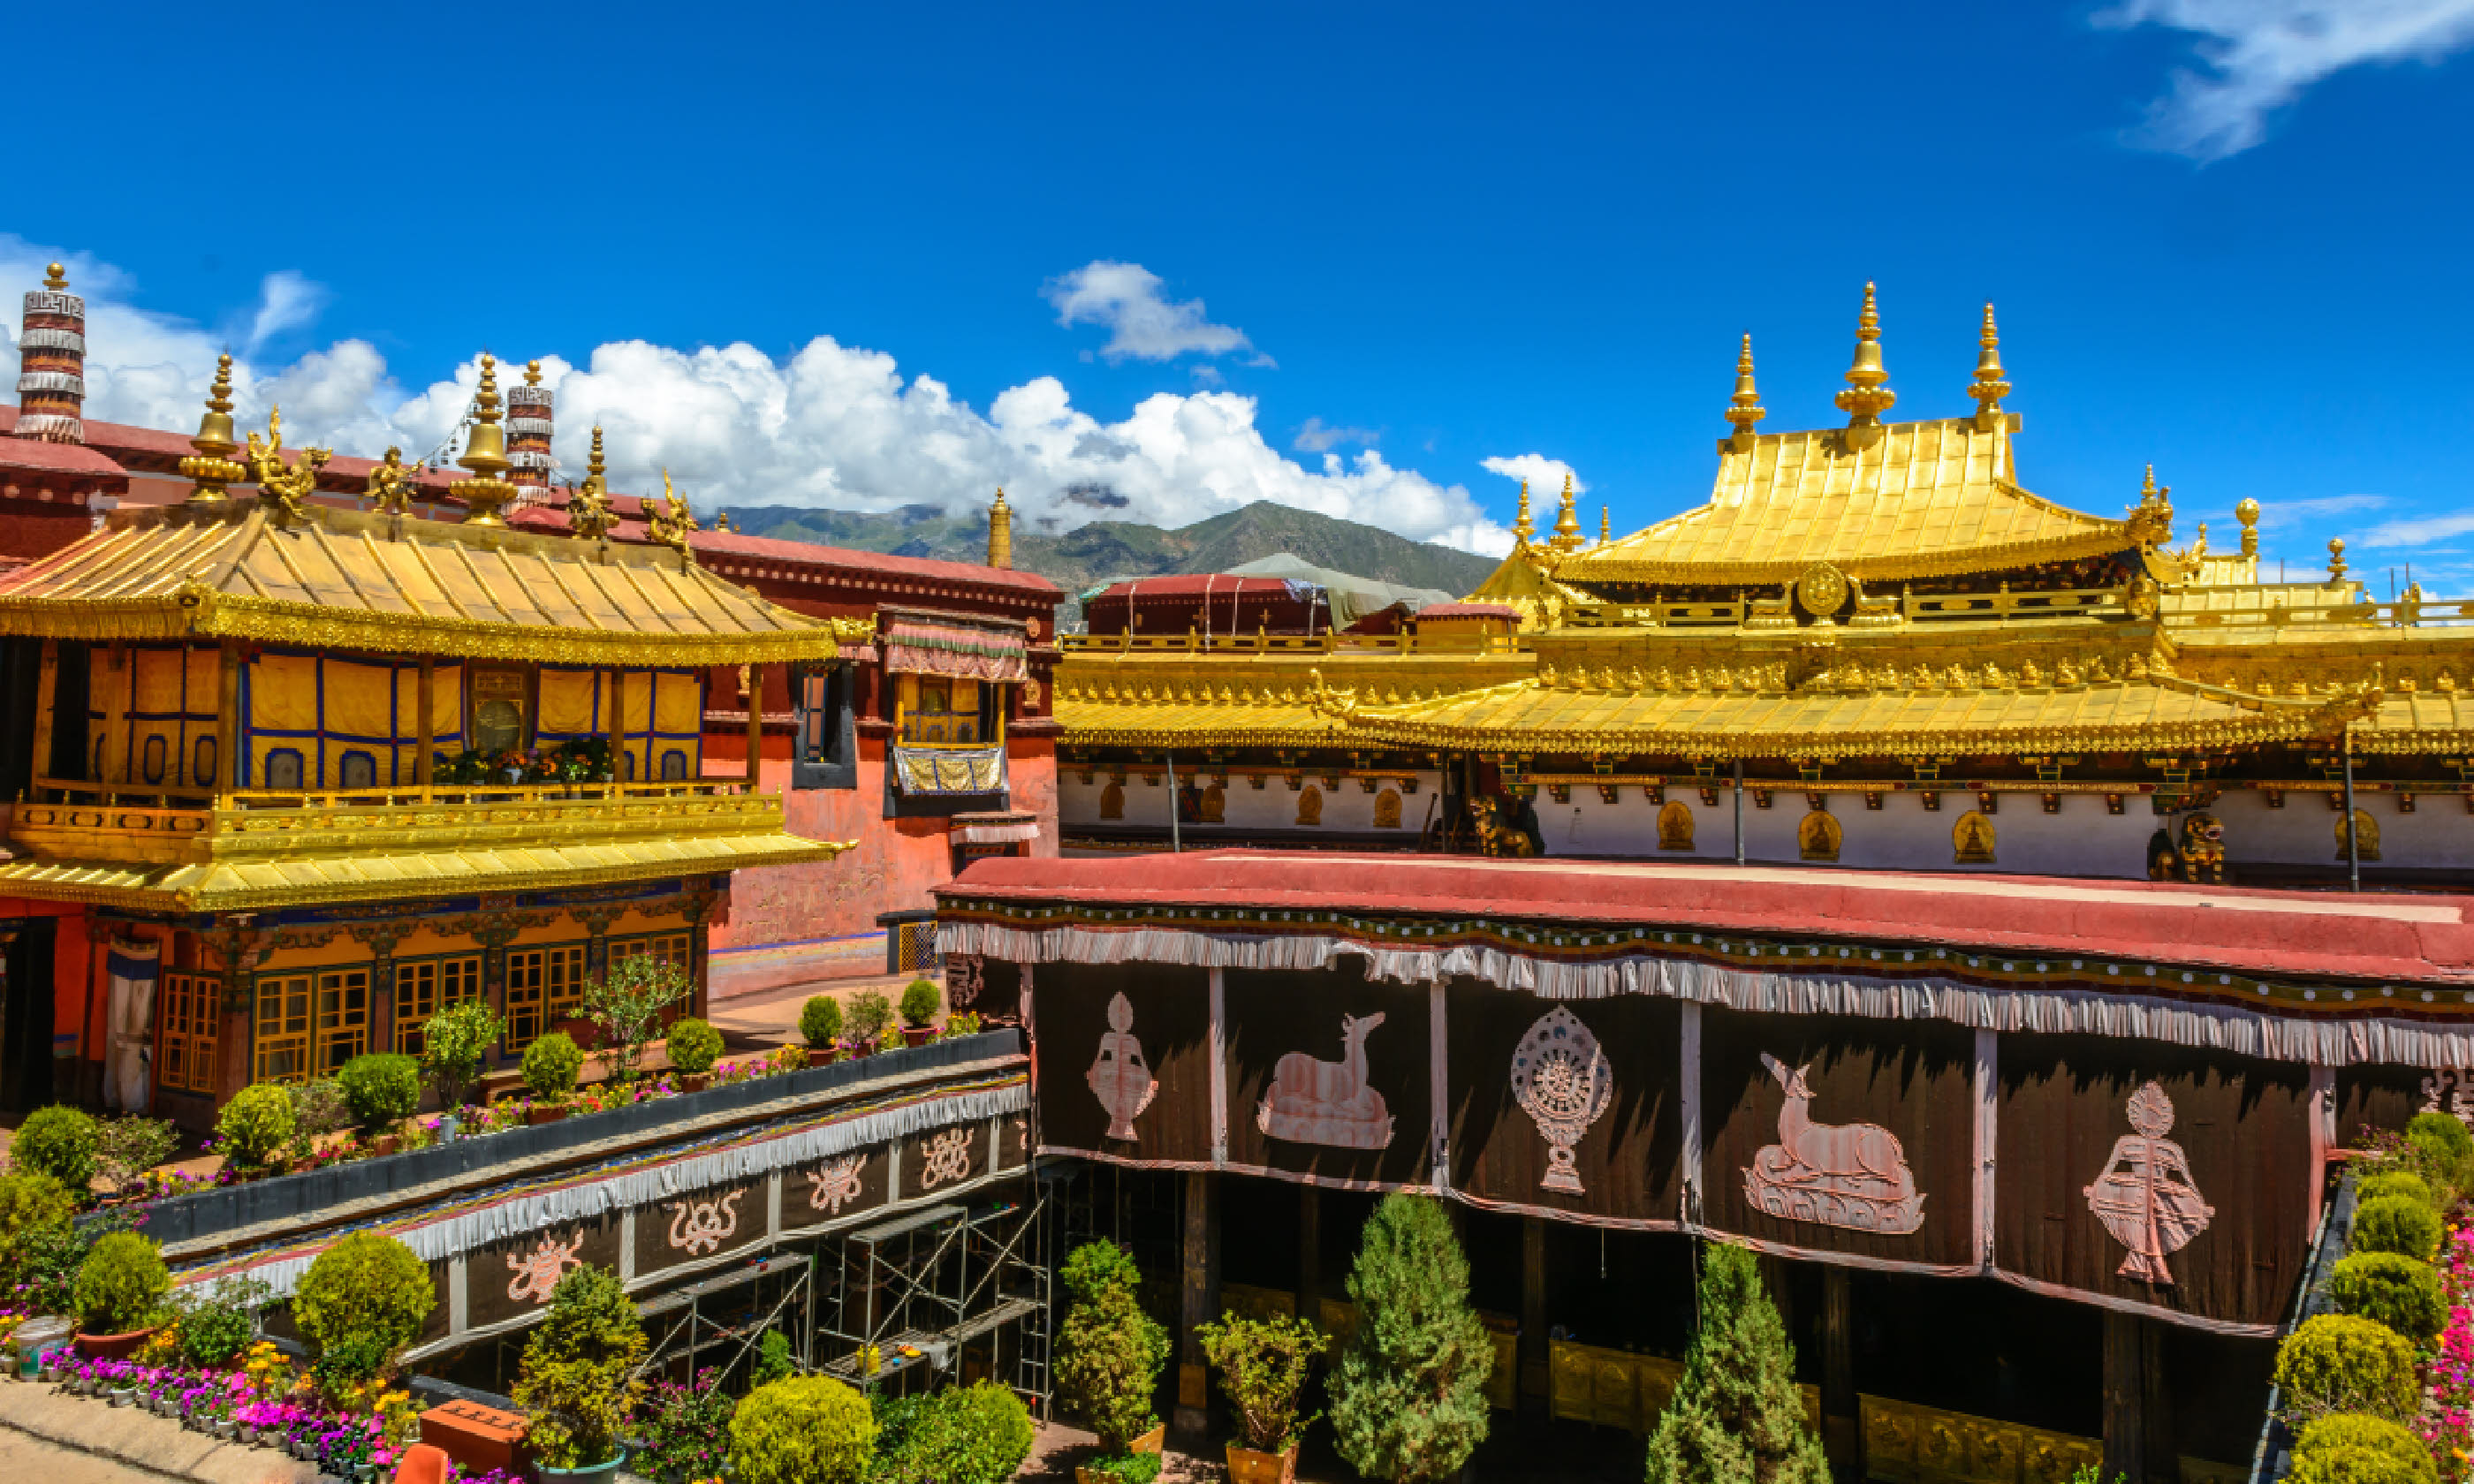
{"x": 1546, "y": 477}
{"x": 1125, "y": 299}
{"x": 1321, "y": 436}
{"x": 2415, "y": 531}
{"x": 828, "y": 426}
{"x": 2260, "y": 55}
{"x": 287, "y": 301}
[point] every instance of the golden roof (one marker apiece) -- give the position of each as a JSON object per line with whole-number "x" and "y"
{"x": 1926, "y": 499}
{"x": 347, "y": 580}
{"x": 1524, "y": 584}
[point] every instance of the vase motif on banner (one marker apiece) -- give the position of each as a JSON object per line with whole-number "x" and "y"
{"x": 1327, "y": 1103}
{"x": 1852, "y": 1175}
{"x": 2145, "y": 1197}
{"x": 1118, "y": 1077}
{"x": 1563, "y": 1082}
{"x": 703, "y": 1226}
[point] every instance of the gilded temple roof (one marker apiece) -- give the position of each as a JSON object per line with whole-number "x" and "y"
{"x": 347, "y": 580}
{"x": 1926, "y": 499}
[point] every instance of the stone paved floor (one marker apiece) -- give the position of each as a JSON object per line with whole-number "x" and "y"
{"x": 52, "y": 1437}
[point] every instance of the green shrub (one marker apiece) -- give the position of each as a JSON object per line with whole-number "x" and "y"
{"x": 820, "y": 1021}
{"x": 2352, "y": 1449}
{"x": 772, "y": 1360}
{"x": 552, "y": 1064}
{"x": 976, "y": 1434}
{"x": 351, "y": 1363}
{"x": 318, "y": 1107}
{"x": 869, "y": 1015}
{"x": 694, "y": 1046}
{"x": 367, "y": 1286}
{"x": 2339, "y": 1363}
{"x": 2393, "y": 1289}
{"x": 33, "y": 1205}
{"x": 1408, "y": 1398}
{"x": 126, "y": 1148}
{"x": 920, "y": 1003}
{"x": 2398, "y": 1224}
{"x": 2443, "y": 1131}
{"x": 1263, "y": 1365}
{"x": 452, "y": 1044}
{"x": 809, "y": 1429}
{"x": 1108, "y": 1352}
{"x": 383, "y": 1089}
{"x": 120, "y": 1285}
{"x": 219, "y": 1320}
{"x": 255, "y": 1124}
{"x": 625, "y": 1004}
{"x": 578, "y": 1377}
{"x": 60, "y": 1142}
{"x": 2404, "y": 1182}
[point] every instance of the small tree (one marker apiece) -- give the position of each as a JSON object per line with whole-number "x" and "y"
{"x": 126, "y": 1149}
{"x": 1108, "y": 1352}
{"x": 551, "y": 1064}
{"x": 453, "y": 1042}
{"x": 869, "y": 1015}
{"x": 1408, "y": 1400}
{"x": 366, "y": 1287}
{"x": 694, "y": 1046}
{"x": 628, "y": 1002}
{"x": 58, "y": 1142}
{"x": 820, "y": 1021}
{"x": 256, "y": 1123}
{"x": 920, "y": 1003}
{"x": 382, "y": 1088}
{"x": 1264, "y": 1364}
{"x": 579, "y": 1371}
{"x": 1735, "y": 1415}
{"x": 120, "y": 1285}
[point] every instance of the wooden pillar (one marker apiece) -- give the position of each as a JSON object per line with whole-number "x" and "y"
{"x": 47, "y": 689}
{"x": 1198, "y": 1299}
{"x": 425, "y": 700}
{"x": 115, "y": 715}
{"x": 1310, "y": 1254}
{"x": 1535, "y": 1380}
{"x": 227, "y": 721}
{"x": 1842, "y": 1433}
{"x": 2127, "y": 1389}
{"x": 618, "y": 726}
{"x": 2157, "y": 1406}
{"x": 755, "y": 688}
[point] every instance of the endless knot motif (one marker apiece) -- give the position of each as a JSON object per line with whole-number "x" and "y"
{"x": 829, "y": 1186}
{"x": 1562, "y": 1080}
{"x": 703, "y": 1226}
{"x": 538, "y": 1271}
{"x": 949, "y": 1158}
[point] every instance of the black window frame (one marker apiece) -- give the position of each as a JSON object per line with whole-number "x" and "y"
{"x": 824, "y": 739}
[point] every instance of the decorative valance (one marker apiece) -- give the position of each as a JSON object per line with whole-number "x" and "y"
{"x": 950, "y": 770}
{"x": 918, "y": 642}
{"x": 995, "y": 828}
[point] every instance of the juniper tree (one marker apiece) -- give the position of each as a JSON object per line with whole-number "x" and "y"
{"x": 1408, "y": 1398}
{"x": 1736, "y": 1417}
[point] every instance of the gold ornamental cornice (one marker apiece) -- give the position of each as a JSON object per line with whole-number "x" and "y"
{"x": 1587, "y": 569}
{"x": 278, "y": 621}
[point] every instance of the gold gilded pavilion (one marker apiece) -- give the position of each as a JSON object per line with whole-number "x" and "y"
{"x": 1908, "y": 658}
{"x": 330, "y": 771}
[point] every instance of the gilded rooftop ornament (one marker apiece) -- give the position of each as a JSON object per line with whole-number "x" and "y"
{"x": 2151, "y": 519}
{"x": 284, "y": 488}
{"x": 390, "y": 488}
{"x": 485, "y": 454}
{"x": 213, "y": 468}
{"x": 1001, "y": 533}
{"x": 2248, "y": 512}
{"x": 2336, "y": 560}
{"x": 670, "y": 522}
{"x": 589, "y": 512}
{"x": 56, "y": 277}
{"x": 1567, "y": 522}
{"x": 1520, "y": 526}
{"x": 1868, "y": 394}
{"x": 1989, "y": 387}
{"x": 1744, "y": 408}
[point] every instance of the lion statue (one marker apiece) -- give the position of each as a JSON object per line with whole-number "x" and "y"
{"x": 2199, "y": 857}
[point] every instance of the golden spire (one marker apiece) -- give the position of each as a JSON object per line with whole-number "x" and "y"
{"x": 532, "y": 374}
{"x": 589, "y": 514}
{"x": 2247, "y": 511}
{"x": 485, "y": 454}
{"x": 1745, "y": 406}
{"x": 55, "y": 278}
{"x": 1520, "y": 526}
{"x": 1868, "y": 394}
{"x": 1606, "y": 524}
{"x": 213, "y": 468}
{"x": 2335, "y": 559}
{"x": 2151, "y": 519}
{"x": 1989, "y": 388}
{"x": 1001, "y": 533}
{"x": 1567, "y": 520}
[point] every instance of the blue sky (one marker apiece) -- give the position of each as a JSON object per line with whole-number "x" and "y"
{"x": 1153, "y": 262}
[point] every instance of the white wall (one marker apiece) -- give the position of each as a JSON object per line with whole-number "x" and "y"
{"x": 2438, "y": 833}
{"x": 1273, "y": 806}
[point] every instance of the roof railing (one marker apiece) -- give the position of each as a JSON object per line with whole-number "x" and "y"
{"x": 88, "y": 792}
{"x": 1276, "y": 645}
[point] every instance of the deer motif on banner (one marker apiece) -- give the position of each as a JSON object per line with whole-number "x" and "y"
{"x": 1852, "y": 1175}
{"x": 1329, "y": 1103}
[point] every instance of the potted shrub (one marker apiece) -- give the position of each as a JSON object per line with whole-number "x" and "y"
{"x": 1408, "y": 1395}
{"x": 366, "y": 1290}
{"x": 1108, "y": 1360}
{"x": 821, "y": 1024}
{"x": 975, "y": 1434}
{"x": 920, "y": 1003}
{"x": 1264, "y": 1364}
{"x": 687, "y": 1434}
{"x": 127, "y": 1149}
{"x": 453, "y": 1042}
{"x": 578, "y": 1377}
{"x": 551, "y": 1064}
{"x": 256, "y": 1123}
{"x": 626, "y": 1004}
{"x": 119, "y": 1295}
{"x": 60, "y": 1142}
{"x": 693, "y": 1047}
{"x": 215, "y": 1323}
{"x": 869, "y": 1015}
{"x": 805, "y": 1429}
{"x": 382, "y": 1090}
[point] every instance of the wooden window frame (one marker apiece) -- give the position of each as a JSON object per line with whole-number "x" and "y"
{"x": 292, "y": 1026}
{"x": 186, "y": 1030}
{"x": 422, "y": 988}
{"x": 559, "y": 989}
{"x": 347, "y": 1032}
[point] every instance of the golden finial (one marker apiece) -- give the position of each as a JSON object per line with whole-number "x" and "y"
{"x": 1001, "y": 533}
{"x": 2151, "y": 519}
{"x": 55, "y": 278}
{"x": 1745, "y": 406}
{"x": 1606, "y": 524}
{"x": 485, "y": 454}
{"x": 2247, "y": 511}
{"x": 1989, "y": 388}
{"x": 1868, "y": 394}
{"x": 1520, "y": 526}
{"x": 213, "y": 468}
{"x": 589, "y": 512}
{"x": 532, "y": 374}
{"x": 721, "y": 522}
{"x": 2335, "y": 559}
{"x": 1567, "y": 520}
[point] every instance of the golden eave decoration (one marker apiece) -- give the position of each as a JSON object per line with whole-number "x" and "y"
{"x": 1925, "y": 499}
{"x": 386, "y": 585}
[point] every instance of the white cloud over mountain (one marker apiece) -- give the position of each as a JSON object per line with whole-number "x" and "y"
{"x": 828, "y": 424}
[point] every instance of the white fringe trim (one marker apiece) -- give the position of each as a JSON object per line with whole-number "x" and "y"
{"x": 2218, "y": 1027}
{"x": 462, "y": 1233}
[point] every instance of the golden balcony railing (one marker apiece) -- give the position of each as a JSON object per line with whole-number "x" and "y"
{"x": 1276, "y": 645}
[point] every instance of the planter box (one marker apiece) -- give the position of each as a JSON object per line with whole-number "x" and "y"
{"x": 112, "y": 1347}
{"x": 1246, "y": 1465}
{"x": 480, "y": 1438}
{"x": 537, "y": 1115}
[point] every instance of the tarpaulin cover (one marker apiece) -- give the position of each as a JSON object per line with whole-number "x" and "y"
{"x": 925, "y": 646}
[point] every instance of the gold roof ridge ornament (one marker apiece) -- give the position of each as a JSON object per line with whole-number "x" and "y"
{"x": 2151, "y": 521}
{"x": 1744, "y": 408}
{"x": 485, "y": 454}
{"x": 670, "y": 522}
{"x": 1567, "y": 520}
{"x": 212, "y": 468}
{"x": 2247, "y": 511}
{"x": 390, "y": 486}
{"x": 1520, "y": 526}
{"x": 1868, "y": 394}
{"x": 1990, "y": 386}
{"x": 589, "y": 516}
{"x": 284, "y": 488}
{"x": 1001, "y": 533}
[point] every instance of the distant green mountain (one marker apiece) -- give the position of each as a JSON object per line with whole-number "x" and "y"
{"x": 1110, "y": 550}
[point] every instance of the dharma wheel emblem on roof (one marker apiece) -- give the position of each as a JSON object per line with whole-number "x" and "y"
{"x": 1822, "y": 589}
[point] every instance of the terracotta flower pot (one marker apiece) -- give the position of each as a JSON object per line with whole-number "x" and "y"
{"x": 387, "y": 1145}
{"x": 694, "y": 1082}
{"x": 545, "y": 1113}
{"x": 1246, "y": 1465}
{"x": 918, "y": 1035}
{"x": 112, "y": 1347}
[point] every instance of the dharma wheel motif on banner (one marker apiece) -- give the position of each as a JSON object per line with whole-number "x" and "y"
{"x": 1119, "y": 1076}
{"x": 1563, "y": 1082}
{"x": 2145, "y": 1197}
{"x": 1852, "y": 1175}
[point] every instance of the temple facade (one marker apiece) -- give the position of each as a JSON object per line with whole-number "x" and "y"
{"x": 1872, "y": 646}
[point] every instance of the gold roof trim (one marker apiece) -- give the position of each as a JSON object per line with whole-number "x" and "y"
{"x": 350, "y": 579}
{"x": 1926, "y": 499}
